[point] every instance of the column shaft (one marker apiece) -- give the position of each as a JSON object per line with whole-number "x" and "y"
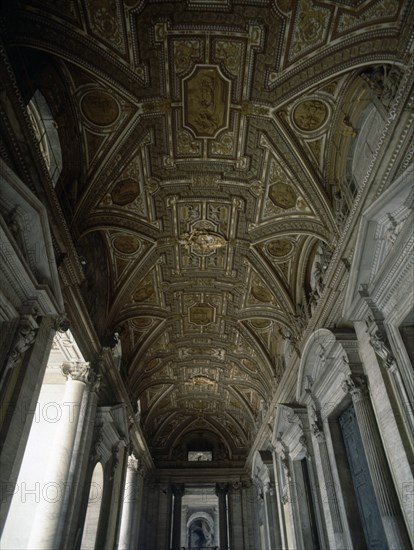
{"x": 48, "y": 517}
{"x": 127, "y": 538}
{"x": 221, "y": 491}
{"x": 178, "y": 491}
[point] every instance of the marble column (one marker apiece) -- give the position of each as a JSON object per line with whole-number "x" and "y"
{"x": 128, "y": 531}
{"x": 46, "y": 531}
{"x": 178, "y": 491}
{"x": 221, "y": 492}
{"x": 382, "y": 482}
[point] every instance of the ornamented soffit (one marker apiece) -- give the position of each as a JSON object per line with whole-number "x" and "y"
{"x": 206, "y": 135}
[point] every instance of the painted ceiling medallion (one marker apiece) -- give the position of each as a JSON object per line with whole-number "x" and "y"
{"x": 282, "y": 195}
{"x": 126, "y": 244}
{"x": 100, "y": 108}
{"x": 310, "y": 115}
{"x": 206, "y": 94}
{"x": 202, "y": 314}
{"x": 125, "y": 192}
{"x": 280, "y": 248}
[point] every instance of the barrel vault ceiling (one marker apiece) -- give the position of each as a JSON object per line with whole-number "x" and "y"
{"x": 204, "y": 143}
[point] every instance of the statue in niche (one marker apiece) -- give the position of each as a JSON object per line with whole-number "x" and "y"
{"x": 116, "y": 348}
{"x": 392, "y": 231}
{"x": 383, "y": 81}
{"x": 341, "y": 208}
{"x": 319, "y": 266}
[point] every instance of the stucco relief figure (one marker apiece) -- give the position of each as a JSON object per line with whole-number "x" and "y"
{"x": 116, "y": 348}
{"x": 207, "y": 119}
{"x": 319, "y": 267}
{"x": 206, "y": 109}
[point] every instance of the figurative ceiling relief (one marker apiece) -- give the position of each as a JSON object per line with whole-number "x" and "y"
{"x": 206, "y": 96}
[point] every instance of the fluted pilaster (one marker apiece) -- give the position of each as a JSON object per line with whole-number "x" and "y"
{"x": 382, "y": 481}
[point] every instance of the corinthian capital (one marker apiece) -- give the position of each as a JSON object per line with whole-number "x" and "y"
{"x": 133, "y": 463}
{"x": 356, "y": 385}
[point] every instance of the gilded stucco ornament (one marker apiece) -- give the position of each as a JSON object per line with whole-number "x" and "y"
{"x": 202, "y": 241}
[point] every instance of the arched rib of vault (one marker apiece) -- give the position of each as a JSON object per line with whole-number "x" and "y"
{"x": 303, "y": 173}
{"x": 238, "y": 395}
{"x": 285, "y": 227}
{"x": 369, "y": 47}
{"x": 187, "y": 419}
{"x": 110, "y": 220}
{"x": 264, "y": 312}
{"x": 262, "y": 355}
{"x": 125, "y": 290}
{"x": 193, "y": 424}
{"x": 272, "y": 279}
{"x": 285, "y": 152}
{"x": 40, "y": 32}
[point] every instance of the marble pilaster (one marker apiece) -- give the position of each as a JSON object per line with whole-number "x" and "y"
{"x": 329, "y": 499}
{"x": 382, "y": 482}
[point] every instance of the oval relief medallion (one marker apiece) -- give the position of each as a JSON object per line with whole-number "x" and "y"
{"x": 261, "y": 293}
{"x": 100, "y": 108}
{"x": 310, "y": 115}
{"x": 280, "y": 248}
{"x": 143, "y": 293}
{"x": 125, "y": 192}
{"x": 282, "y": 195}
{"x": 126, "y": 244}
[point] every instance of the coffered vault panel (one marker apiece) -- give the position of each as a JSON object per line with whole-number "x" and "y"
{"x": 211, "y": 139}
